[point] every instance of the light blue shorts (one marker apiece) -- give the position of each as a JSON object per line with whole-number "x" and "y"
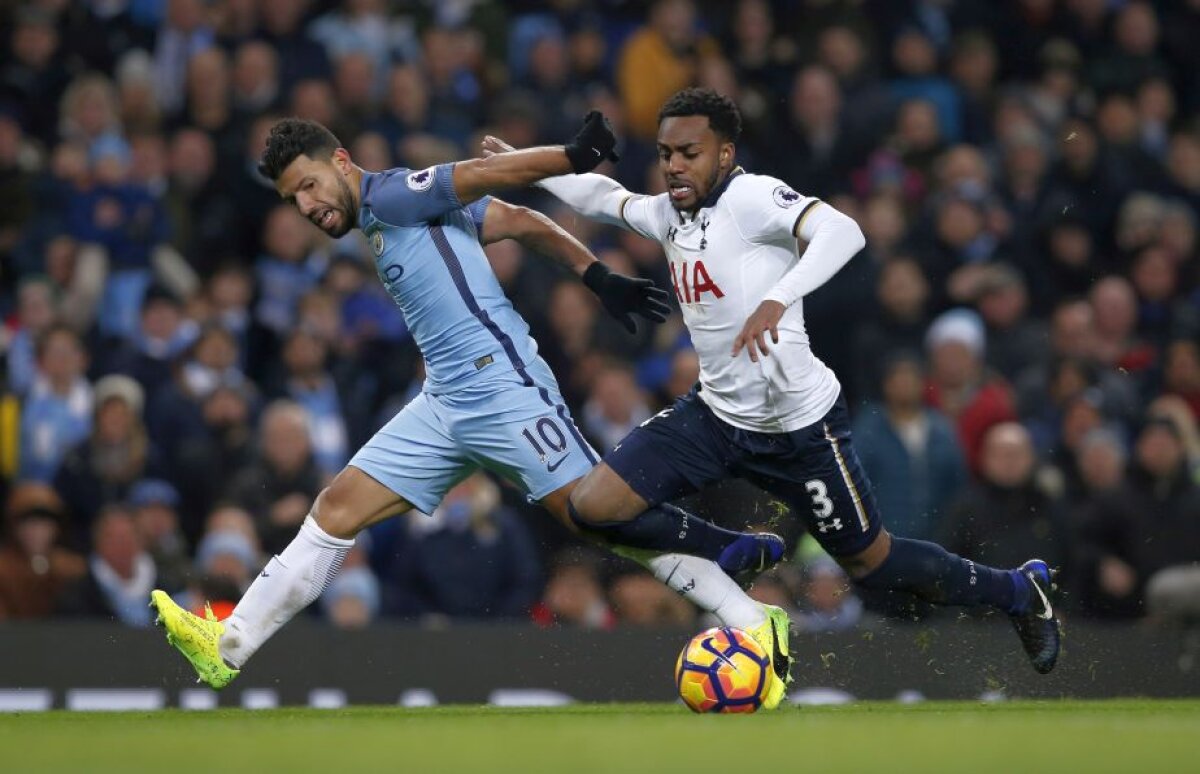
{"x": 515, "y": 425}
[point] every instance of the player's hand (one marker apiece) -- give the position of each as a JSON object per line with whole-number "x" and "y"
{"x": 624, "y": 296}
{"x": 494, "y": 146}
{"x": 765, "y": 318}
{"x": 594, "y": 143}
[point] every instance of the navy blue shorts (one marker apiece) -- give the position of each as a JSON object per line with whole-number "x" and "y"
{"x": 814, "y": 470}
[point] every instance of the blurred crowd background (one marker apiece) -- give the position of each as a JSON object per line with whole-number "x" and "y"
{"x": 186, "y": 361}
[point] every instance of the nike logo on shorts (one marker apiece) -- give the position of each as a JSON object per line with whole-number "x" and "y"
{"x": 553, "y": 466}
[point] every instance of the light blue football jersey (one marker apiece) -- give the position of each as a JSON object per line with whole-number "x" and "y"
{"x": 428, "y": 255}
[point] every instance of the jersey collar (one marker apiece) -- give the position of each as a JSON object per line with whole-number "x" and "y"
{"x": 715, "y": 193}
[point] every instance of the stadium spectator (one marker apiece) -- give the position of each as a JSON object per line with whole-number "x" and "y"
{"x": 35, "y": 316}
{"x": 615, "y": 406}
{"x": 640, "y": 600}
{"x": 1005, "y": 515}
{"x": 902, "y": 299}
{"x": 35, "y": 566}
{"x": 828, "y": 604}
{"x": 164, "y": 334}
{"x": 101, "y": 469}
{"x": 1013, "y": 338}
{"x": 307, "y": 381}
{"x": 155, "y": 504}
{"x": 57, "y": 414}
{"x": 670, "y": 46}
{"x": 120, "y": 573}
{"x": 470, "y": 558}
{"x": 280, "y": 484}
{"x": 959, "y": 385}
{"x": 910, "y": 452}
{"x": 574, "y": 593}
{"x": 1106, "y": 523}
{"x": 354, "y": 597}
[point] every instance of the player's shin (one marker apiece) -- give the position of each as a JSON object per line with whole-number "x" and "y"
{"x": 663, "y": 528}
{"x": 935, "y": 575}
{"x": 701, "y": 582}
{"x": 290, "y": 582}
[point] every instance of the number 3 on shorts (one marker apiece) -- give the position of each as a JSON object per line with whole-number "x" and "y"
{"x": 822, "y": 505}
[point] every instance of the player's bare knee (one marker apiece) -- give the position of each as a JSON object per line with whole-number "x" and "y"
{"x": 336, "y": 515}
{"x": 867, "y": 561}
{"x": 596, "y": 499}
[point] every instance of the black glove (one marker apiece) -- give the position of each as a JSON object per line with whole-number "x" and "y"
{"x": 593, "y": 144}
{"x": 625, "y": 296}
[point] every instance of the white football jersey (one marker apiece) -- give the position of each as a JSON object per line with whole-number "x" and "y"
{"x": 723, "y": 263}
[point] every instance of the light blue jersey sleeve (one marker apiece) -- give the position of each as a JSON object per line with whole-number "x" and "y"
{"x": 477, "y": 210}
{"x": 401, "y": 197}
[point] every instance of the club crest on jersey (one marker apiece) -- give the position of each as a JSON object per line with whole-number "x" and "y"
{"x": 785, "y": 197}
{"x": 377, "y": 243}
{"x": 420, "y": 181}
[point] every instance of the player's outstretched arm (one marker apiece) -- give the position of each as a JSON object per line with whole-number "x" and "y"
{"x": 593, "y": 144}
{"x": 593, "y": 196}
{"x": 622, "y": 296}
{"x": 833, "y": 239}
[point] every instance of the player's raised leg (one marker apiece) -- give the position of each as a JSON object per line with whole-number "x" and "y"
{"x": 290, "y": 582}
{"x": 413, "y": 454}
{"x": 818, "y": 473}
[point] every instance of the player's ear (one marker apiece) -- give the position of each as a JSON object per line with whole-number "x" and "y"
{"x": 341, "y": 161}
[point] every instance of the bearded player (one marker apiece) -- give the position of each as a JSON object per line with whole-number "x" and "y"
{"x": 772, "y": 413}
{"x": 488, "y": 400}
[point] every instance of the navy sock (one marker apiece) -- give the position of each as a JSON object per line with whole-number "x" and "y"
{"x": 933, "y": 574}
{"x": 663, "y": 528}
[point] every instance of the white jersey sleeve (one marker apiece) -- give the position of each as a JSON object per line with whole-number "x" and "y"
{"x": 604, "y": 199}
{"x": 768, "y": 211}
{"x": 771, "y": 213}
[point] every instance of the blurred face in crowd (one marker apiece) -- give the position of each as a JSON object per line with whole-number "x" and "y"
{"x": 1159, "y": 451}
{"x": 903, "y": 289}
{"x": 573, "y": 592}
{"x": 117, "y": 541}
{"x": 904, "y": 386}
{"x": 114, "y": 421}
{"x": 1183, "y": 160}
{"x": 155, "y": 522}
{"x": 842, "y": 51}
{"x": 1071, "y": 331}
{"x": 226, "y": 409}
{"x": 1114, "y": 307}
{"x": 963, "y": 164}
{"x": 285, "y": 438}
{"x": 232, "y": 519}
{"x": 35, "y": 306}
{"x": 884, "y": 223}
{"x": 61, "y": 358}
{"x": 1007, "y": 455}
{"x": 1003, "y": 306}
{"x": 675, "y": 20}
{"x": 371, "y": 151}
{"x": 319, "y": 190}
{"x": 1154, "y": 275}
{"x": 917, "y": 126}
{"x": 353, "y": 78}
{"x": 192, "y": 159}
{"x": 1101, "y": 463}
{"x": 616, "y": 393}
{"x": 160, "y": 319}
{"x": 816, "y": 99}
{"x": 1182, "y": 370}
{"x": 954, "y": 364}
{"x": 693, "y": 159}
{"x": 255, "y": 71}
{"x": 685, "y": 372}
{"x": 1070, "y": 245}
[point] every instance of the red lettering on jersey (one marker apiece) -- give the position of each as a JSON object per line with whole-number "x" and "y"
{"x": 702, "y": 282}
{"x": 675, "y": 281}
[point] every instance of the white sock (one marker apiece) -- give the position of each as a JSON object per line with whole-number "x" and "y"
{"x": 288, "y": 584}
{"x": 703, "y": 583}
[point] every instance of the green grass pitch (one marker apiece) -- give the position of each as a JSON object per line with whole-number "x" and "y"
{"x": 1055, "y": 736}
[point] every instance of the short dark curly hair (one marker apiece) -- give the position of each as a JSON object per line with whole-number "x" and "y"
{"x": 722, "y": 112}
{"x": 294, "y": 137}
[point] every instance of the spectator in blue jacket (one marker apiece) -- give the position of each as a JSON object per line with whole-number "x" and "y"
{"x": 910, "y": 452}
{"x": 470, "y": 558}
{"x": 57, "y": 413}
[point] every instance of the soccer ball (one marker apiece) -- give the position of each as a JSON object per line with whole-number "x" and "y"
{"x": 722, "y": 670}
